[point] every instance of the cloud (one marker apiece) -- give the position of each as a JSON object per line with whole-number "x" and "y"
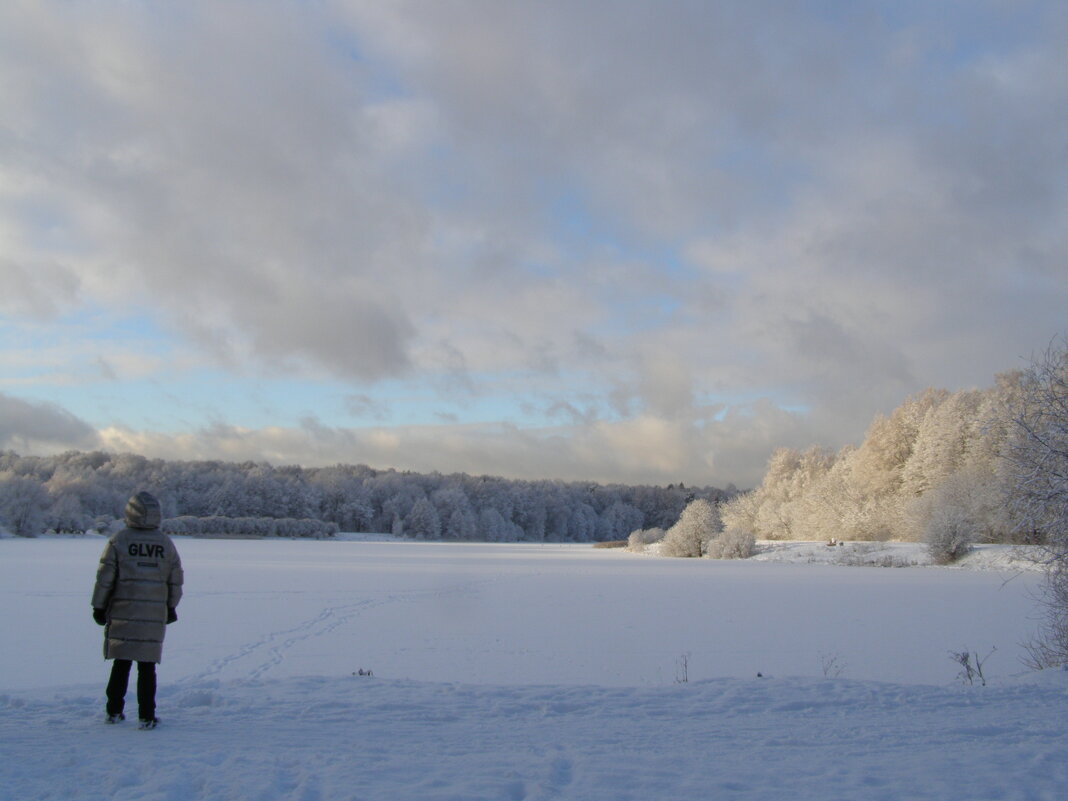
{"x": 223, "y": 181}
{"x": 877, "y": 194}
{"x": 729, "y": 449}
{"x": 33, "y": 427}
{"x": 707, "y": 229}
{"x": 360, "y": 405}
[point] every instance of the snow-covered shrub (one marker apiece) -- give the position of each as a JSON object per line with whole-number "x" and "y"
{"x": 970, "y": 499}
{"x": 957, "y": 513}
{"x": 733, "y": 543}
{"x": 949, "y": 526}
{"x": 640, "y": 538}
{"x": 948, "y": 538}
{"x": 698, "y": 524}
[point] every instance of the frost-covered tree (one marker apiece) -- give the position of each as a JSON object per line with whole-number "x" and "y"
{"x": 423, "y": 522}
{"x": 353, "y": 514}
{"x": 459, "y": 521}
{"x": 878, "y": 490}
{"x": 777, "y": 494}
{"x": 23, "y": 502}
{"x": 65, "y": 514}
{"x": 943, "y": 438}
{"x": 582, "y": 525}
{"x": 833, "y": 506}
{"x": 698, "y": 524}
{"x": 529, "y": 510}
{"x": 462, "y": 524}
{"x": 740, "y": 512}
{"x": 397, "y": 508}
{"x": 229, "y": 497}
{"x": 494, "y": 528}
{"x": 1038, "y": 452}
{"x": 777, "y": 509}
{"x": 618, "y": 520}
{"x": 557, "y": 517}
{"x": 354, "y": 497}
{"x": 877, "y": 467}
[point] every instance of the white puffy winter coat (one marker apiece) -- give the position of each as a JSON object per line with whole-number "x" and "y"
{"x": 139, "y": 579}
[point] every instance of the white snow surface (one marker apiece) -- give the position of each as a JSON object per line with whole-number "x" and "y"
{"x": 535, "y": 672}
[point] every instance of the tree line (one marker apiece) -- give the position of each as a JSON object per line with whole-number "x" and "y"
{"x": 78, "y": 491}
{"x": 938, "y": 469}
{"x": 937, "y": 462}
{"x": 946, "y": 468}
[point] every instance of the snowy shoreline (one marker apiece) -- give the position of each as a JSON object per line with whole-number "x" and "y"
{"x": 845, "y": 554}
{"x": 895, "y": 554}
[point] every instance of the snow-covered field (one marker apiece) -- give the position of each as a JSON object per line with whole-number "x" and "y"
{"x": 526, "y": 671}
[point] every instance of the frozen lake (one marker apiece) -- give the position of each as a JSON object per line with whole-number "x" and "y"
{"x": 514, "y": 614}
{"x": 507, "y": 672}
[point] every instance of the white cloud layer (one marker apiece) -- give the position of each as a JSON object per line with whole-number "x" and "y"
{"x": 646, "y": 449}
{"x": 664, "y": 223}
{"x": 29, "y": 427}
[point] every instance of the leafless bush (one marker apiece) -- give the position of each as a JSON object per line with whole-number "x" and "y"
{"x": 870, "y": 554}
{"x": 682, "y": 669}
{"x": 1049, "y": 648}
{"x": 971, "y": 665}
{"x": 734, "y": 543}
{"x": 640, "y": 538}
{"x": 833, "y": 666}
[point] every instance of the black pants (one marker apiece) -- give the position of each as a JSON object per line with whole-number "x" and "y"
{"x": 146, "y": 688}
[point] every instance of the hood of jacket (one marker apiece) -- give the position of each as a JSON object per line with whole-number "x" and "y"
{"x": 143, "y": 511}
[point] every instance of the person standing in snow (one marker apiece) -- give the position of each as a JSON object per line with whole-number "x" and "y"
{"x": 138, "y": 587}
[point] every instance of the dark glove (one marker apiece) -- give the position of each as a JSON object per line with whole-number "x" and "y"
{"x": 100, "y": 616}
{"x": 172, "y": 615}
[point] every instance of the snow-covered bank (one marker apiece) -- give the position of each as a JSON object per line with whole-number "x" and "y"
{"x": 506, "y": 672}
{"x": 1005, "y": 558}
{"x": 1002, "y": 558}
{"x": 387, "y": 740}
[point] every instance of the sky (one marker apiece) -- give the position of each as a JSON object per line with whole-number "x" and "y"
{"x": 636, "y": 242}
